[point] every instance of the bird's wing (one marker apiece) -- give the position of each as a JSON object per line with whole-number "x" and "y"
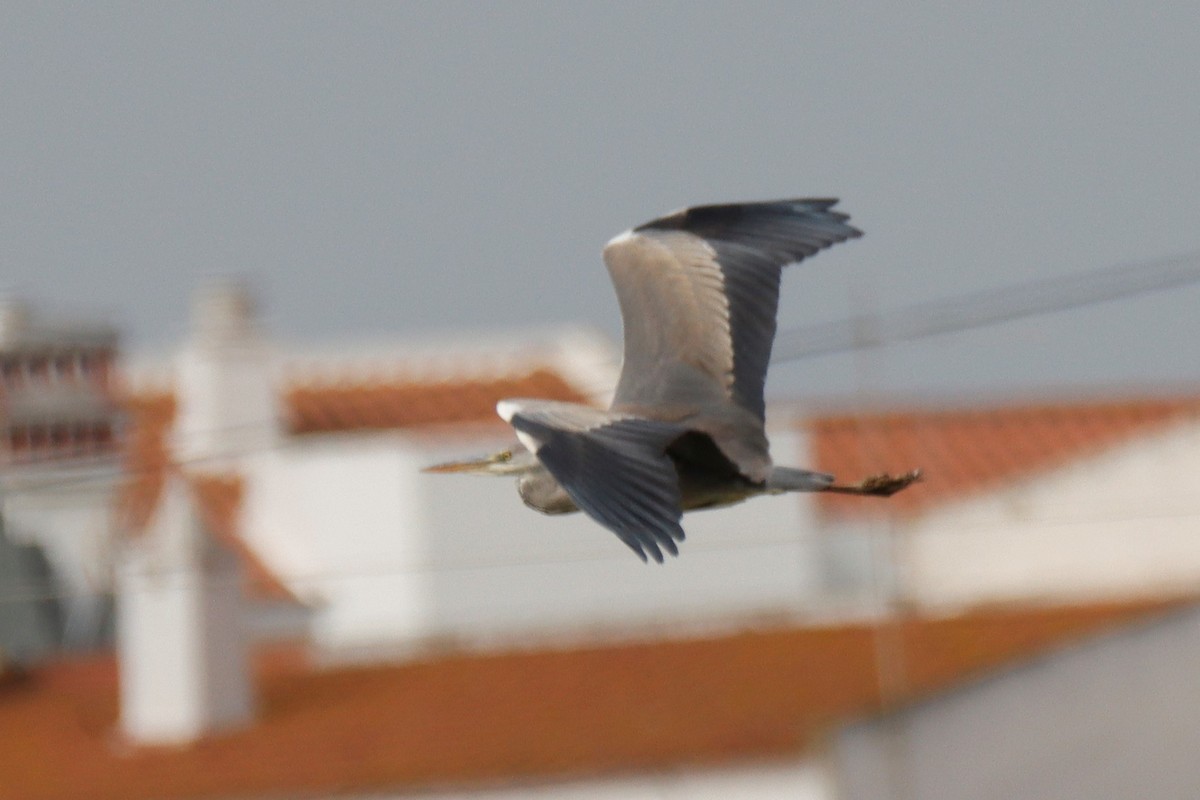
{"x": 614, "y": 467}
{"x": 699, "y": 290}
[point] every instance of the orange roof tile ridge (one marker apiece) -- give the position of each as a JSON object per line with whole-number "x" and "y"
{"x": 218, "y": 498}
{"x": 965, "y": 451}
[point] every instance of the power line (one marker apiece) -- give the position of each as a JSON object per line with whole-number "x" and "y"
{"x": 910, "y": 323}
{"x": 189, "y": 575}
{"x": 989, "y": 307}
{"x": 862, "y": 331}
{"x": 1128, "y": 515}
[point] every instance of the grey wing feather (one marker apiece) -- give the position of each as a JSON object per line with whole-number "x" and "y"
{"x": 699, "y": 290}
{"x": 618, "y": 473}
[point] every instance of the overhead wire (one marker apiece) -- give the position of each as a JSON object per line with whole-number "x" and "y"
{"x": 859, "y": 332}
{"x": 317, "y": 578}
{"x": 1129, "y": 515}
{"x": 987, "y": 307}
{"x": 906, "y": 324}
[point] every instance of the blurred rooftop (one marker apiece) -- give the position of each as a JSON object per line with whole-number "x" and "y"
{"x": 462, "y": 720}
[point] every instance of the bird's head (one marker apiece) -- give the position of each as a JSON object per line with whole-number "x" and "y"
{"x": 506, "y": 462}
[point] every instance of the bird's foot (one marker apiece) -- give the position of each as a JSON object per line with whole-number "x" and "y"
{"x": 884, "y": 485}
{"x": 881, "y": 485}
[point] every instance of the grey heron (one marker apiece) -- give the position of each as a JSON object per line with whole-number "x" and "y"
{"x": 698, "y": 291}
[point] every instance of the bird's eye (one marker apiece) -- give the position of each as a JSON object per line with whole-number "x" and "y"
{"x": 506, "y": 455}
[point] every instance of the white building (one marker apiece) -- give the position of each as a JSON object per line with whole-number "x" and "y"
{"x": 1053, "y": 502}
{"x": 748, "y": 714}
{"x": 329, "y": 450}
{"x": 59, "y": 466}
{"x": 1111, "y": 718}
{"x": 181, "y": 618}
{"x": 1050, "y": 502}
{"x": 284, "y": 486}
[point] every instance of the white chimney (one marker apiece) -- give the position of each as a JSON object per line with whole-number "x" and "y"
{"x": 15, "y": 318}
{"x": 183, "y": 657}
{"x": 228, "y": 404}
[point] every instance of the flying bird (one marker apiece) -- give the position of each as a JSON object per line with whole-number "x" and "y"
{"x": 698, "y": 291}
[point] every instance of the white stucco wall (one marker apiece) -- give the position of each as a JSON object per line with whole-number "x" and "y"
{"x": 502, "y": 567}
{"x": 339, "y": 520}
{"x": 1124, "y": 523}
{"x": 67, "y": 511}
{"x": 1106, "y": 720}
{"x": 390, "y": 555}
{"x": 184, "y": 669}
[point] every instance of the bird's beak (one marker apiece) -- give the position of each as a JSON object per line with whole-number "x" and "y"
{"x": 485, "y": 465}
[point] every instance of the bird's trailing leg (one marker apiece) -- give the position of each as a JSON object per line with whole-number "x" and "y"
{"x": 881, "y": 485}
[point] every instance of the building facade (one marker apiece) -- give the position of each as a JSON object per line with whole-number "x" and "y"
{"x": 59, "y": 459}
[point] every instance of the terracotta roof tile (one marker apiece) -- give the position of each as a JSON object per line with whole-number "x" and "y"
{"x": 311, "y": 408}
{"x": 336, "y": 407}
{"x": 219, "y": 498}
{"x": 147, "y": 462}
{"x": 966, "y": 451}
{"x": 146, "y": 454}
{"x": 465, "y": 719}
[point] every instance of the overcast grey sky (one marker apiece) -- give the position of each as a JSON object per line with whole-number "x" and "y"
{"x": 390, "y": 169}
